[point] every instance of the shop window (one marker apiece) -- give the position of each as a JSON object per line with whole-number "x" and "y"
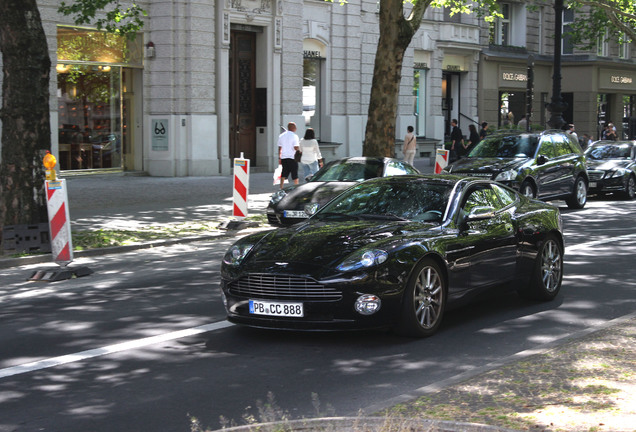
{"x": 89, "y": 112}
{"x": 312, "y": 93}
{"x": 89, "y": 96}
{"x": 419, "y": 101}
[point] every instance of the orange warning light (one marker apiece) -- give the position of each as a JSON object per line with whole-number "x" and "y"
{"x": 49, "y": 161}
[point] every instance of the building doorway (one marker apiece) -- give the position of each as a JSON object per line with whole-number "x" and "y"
{"x": 242, "y": 90}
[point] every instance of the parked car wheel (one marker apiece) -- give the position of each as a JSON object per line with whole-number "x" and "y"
{"x": 424, "y": 301}
{"x": 579, "y": 195}
{"x": 528, "y": 189}
{"x": 630, "y": 187}
{"x": 547, "y": 276}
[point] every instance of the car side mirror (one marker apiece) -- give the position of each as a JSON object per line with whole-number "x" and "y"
{"x": 480, "y": 213}
{"x": 541, "y": 160}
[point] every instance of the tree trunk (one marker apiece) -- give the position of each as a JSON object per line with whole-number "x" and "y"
{"x": 26, "y": 129}
{"x": 396, "y": 33}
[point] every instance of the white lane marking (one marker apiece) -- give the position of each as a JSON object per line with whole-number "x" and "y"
{"x": 110, "y": 349}
{"x": 598, "y": 242}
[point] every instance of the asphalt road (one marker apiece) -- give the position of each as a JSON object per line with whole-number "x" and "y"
{"x": 142, "y": 344}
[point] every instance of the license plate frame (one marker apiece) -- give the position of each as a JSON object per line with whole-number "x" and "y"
{"x": 277, "y": 308}
{"x": 295, "y": 214}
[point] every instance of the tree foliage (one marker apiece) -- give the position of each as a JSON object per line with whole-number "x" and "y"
{"x": 114, "y": 18}
{"x": 602, "y": 20}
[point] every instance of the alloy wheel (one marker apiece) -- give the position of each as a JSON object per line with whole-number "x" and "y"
{"x": 551, "y": 266}
{"x": 428, "y": 298}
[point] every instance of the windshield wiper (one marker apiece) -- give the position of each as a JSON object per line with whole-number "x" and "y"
{"x": 330, "y": 215}
{"x": 387, "y": 216}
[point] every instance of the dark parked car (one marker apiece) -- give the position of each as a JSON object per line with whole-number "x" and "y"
{"x": 545, "y": 165}
{"x": 288, "y": 206}
{"x": 611, "y": 166}
{"x": 395, "y": 252}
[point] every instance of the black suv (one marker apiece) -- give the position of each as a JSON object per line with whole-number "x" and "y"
{"x": 546, "y": 165}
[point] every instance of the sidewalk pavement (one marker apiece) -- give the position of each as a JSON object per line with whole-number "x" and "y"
{"x": 586, "y": 382}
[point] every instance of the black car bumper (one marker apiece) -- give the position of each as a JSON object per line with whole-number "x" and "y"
{"x": 333, "y": 309}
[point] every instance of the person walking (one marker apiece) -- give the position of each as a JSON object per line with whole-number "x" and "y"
{"x": 457, "y": 141}
{"x": 473, "y": 138}
{"x": 484, "y": 131}
{"x": 410, "y": 144}
{"x": 288, "y": 144}
{"x": 311, "y": 159}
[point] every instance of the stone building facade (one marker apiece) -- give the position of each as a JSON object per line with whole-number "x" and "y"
{"x": 207, "y": 81}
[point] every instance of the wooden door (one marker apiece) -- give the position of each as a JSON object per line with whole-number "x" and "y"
{"x": 242, "y": 95}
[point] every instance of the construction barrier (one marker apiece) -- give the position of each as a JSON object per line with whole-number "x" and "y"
{"x": 241, "y": 186}
{"x": 441, "y": 160}
{"x": 59, "y": 221}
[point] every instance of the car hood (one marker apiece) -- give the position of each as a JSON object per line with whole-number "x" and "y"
{"x": 607, "y": 164}
{"x": 484, "y": 165}
{"x": 312, "y": 192}
{"x": 315, "y": 246}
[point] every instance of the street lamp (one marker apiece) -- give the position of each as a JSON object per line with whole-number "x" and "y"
{"x": 557, "y": 105}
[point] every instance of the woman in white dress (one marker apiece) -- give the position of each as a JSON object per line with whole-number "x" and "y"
{"x": 311, "y": 159}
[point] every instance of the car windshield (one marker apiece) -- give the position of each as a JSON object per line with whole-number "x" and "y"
{"x": 350, "y": 170}
{"x": 506, "y": 146}
{"x": 395, "y": 200}
{"x": 609, "y": 151}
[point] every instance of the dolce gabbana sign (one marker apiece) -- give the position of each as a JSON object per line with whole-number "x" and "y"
{"x": 512, "y": 77}
{"x": 617, "y": 80}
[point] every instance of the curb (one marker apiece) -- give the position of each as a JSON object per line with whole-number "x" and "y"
{"x": 366, "y": 424}
{"x": 6, "y": 263}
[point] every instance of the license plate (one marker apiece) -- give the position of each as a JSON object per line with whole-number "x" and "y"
{"x": 592, "y": 184}
{"x": 284, "y": 309}
{"x": 295, "y": 214}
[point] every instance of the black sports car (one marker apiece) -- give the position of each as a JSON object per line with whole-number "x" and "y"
{"x": 394, "y": 252}
{"x": 611, "y": 166}
{"x": 289, "y": 206}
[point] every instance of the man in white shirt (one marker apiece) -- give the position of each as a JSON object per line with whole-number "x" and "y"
{"x": 288, "y": 144}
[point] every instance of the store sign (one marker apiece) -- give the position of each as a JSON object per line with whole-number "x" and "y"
{"x": 311, "y": 54}
{"x": 159, "y": 133}
{"x": 617, "y": 79}
{"x": 514, "y": 76}
{"x": 420, "y": 65}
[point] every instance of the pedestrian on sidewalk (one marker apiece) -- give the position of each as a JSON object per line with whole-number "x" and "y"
{"x": 288, "y": 144}
{"x": 311, "y": 159}
{"x": 410, "y": 145}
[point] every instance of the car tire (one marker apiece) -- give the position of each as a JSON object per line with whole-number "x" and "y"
{"x": 547, "y": 273}
{"x": 528, "y": 189}
{"x": 424, "y": 301}
{"x": 579, "y": 195}
{"x": 630, "y": 187}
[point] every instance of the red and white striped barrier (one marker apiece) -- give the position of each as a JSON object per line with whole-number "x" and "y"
{"x": 59, "y": 221}
{"x": 441, "y": 160}
{"x": 241, "y": 186}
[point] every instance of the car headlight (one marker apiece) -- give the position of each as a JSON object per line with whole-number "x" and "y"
{"x": 363, "y": 259}
{"x": 506, "y": 175}
{"x": 277, "y": 196}
{"x": 619, "y": 172}
{"x": 237, "y": 253}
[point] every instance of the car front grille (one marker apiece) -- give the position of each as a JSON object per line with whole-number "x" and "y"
{"x": 595, "y": 175}
{"x": 281, "y": 287}
{"x": 477, "y": 174}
